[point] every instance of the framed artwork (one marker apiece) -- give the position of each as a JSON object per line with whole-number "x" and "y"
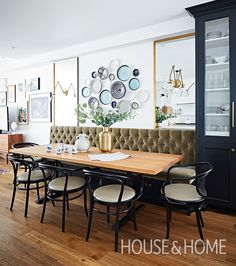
{"x": 3, "y": 84}
{"x": 22, "y": 114}
{"x": 11, "y": 93}
{"x": 40, "y": 107}
{"x": 20, "y": 92}
{"x": 35, "y": 84}
{"x": 3, "y": 98}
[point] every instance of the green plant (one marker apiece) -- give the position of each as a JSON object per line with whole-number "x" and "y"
{"x": 100, "y": 117}
{"x": 160, "y": 116}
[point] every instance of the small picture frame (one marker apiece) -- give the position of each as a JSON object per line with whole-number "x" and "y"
{"x": 3, "y": 98}
{"x": 22, "y": 114}
{"x": 35, "y": 84}
{"x": 11, "y": 93}
{"x": 3, "y": 84}
{"x": 20, "y": 92}
{"x": 40, "y": 107}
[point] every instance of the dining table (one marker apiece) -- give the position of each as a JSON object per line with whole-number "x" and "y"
{"x": 138, "y": 162}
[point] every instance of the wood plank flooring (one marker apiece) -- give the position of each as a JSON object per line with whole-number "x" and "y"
{"x": 27, "y": 242}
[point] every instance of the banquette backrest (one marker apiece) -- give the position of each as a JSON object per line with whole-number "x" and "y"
{"x": 174, "y": 141}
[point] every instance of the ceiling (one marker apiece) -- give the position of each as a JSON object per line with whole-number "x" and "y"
{"x": 33, "y": 27}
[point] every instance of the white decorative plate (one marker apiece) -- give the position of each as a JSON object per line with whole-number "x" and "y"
{"x": 96, "y": 86}
{"x": 142, "y": 96}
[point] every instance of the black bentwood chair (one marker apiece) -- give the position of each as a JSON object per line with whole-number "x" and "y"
{"x": 63, "y": 187}
{"x": 187, "y": 192}
{"x": 27, "y": 157}
{"x": 32, "y": 178}
{"x": 113, "y": 192}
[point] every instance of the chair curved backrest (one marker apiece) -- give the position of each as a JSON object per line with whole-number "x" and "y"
{"x": 202, "y": 170}
{"x": 108, "y": 178}
{"x": 23, "y": 145}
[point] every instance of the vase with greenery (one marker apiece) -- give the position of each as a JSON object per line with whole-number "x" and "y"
{"x": 160, "y": 116}
{"x": 104, "y": 118}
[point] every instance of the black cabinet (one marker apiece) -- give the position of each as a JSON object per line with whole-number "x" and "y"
{"x": 216, "y": 97}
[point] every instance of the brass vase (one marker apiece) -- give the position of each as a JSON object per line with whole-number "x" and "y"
{"x": 105, "y": 140}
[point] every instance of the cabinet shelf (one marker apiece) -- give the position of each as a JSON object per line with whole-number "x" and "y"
{"x": 217, "y": 90}
{"x": 216, "y": 114}
{"x": 216, "y": 42}
{"x": 217, "y": 133}
{"x": 217, "y": 66}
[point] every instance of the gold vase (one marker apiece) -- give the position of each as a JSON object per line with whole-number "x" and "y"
{"x": 105, "y": 140}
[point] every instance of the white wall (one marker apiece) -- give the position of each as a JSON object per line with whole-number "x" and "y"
{"x": 136, "y": 56}
{"x": 35, "y": 132}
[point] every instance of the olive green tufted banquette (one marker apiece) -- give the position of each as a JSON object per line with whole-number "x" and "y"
{"x": 153, "y": 140}
{"x": 173, "y": 141}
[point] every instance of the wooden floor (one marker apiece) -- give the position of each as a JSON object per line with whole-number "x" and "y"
{"x": 27, "y": 242}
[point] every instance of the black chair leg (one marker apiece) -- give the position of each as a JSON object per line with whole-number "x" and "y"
{"x": 13, "y": 196}
{"x": 44, "y": 205}
{"x": 63, "y": 213}
{"x": 85, "y": 203}
{"x": 27, "y": 199}
{"x": 134, "y": 219}
{"x": 67, "y": 202}
{"x": 37, "y": 186}
{"x": 199, "y": 222}
{"x": 108, "y": 215}
{"x": 117, "y": 228}
{"x": 168, "y": 218}
{"x": 90, "y": 217}
{"x": 202, "y": 223}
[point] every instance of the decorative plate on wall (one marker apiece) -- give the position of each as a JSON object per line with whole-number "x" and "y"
{"x": 112, "y": 77}
{"x": 124, "y": 106}
{"x": 114, "y": 64}
{"x": 96, "y": 85}
{"x": 123, "y": 73}
{"x": 113, "y": 104}
{"x": 135, "y": 72}
{"x": 86, "y": 92}
{"x": 118, "y": 90}
{"x": 105, "y": 97}
{"x": 135, "y": 105}
{"x": 134, "y": 84}
{"x": 102, "y": 73}
{"x": 93, "y": 103}
{"x": 94, "y": 74}
{"x": 143, "y": 96}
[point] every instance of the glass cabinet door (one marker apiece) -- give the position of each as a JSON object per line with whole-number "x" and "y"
{"x": 217, "y": 79}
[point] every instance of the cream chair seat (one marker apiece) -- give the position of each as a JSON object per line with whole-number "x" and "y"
{"x": 110, "y": 193}
{"x": 182, "y": 192}
{"x": 74, "y": 182}
{"x": 179, "y": 172}
{"x": 36, "y": 175}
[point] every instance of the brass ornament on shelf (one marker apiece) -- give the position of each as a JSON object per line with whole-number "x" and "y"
{"x": 65, "y": 91}
{"x": 176, "y": 78}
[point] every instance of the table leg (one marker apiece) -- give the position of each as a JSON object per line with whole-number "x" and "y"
{"x": 128, "y": 216}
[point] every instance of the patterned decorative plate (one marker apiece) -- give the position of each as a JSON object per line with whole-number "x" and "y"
{"x": 123, "y": 73}
{"x": 105, "y": 97}
{"x": 124, "y": 106}
{"x": 134, "y": 84}
{"x": 96, "y": 85}
{"x": 94, "y": 74}
{"x": 135, "y": 72}
{"x": 143, "y": 96}
{"x": 112, "y": 77}
{"x": 118, "y": 90}
{"x": 86, "y": 92}
{"x": 114, "y": 64}
{"x": 113, "y": 104}
{"x": 93, "y": 103}
{"x": 135, "y": 105}
{"x": 102, "y": 73}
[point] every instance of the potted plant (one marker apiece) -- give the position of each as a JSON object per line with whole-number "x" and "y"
{"x": 104, "y": 118}
{"x": 160, "y": 116}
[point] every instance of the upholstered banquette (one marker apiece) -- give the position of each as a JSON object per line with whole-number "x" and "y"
{"x": 174, "y": 141}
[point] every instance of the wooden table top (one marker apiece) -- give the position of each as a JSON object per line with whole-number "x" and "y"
{"x": 150, "y": 163}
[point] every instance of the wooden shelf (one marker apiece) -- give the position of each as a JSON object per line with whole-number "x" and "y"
{"x": 217, "y": 90}
{"x": 217, "y": 133}
{"x": 216, "y": 114}
{"x": 217, "y": 66}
